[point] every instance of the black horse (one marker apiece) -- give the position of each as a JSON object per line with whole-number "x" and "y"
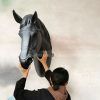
{"x": 35, "y": 39}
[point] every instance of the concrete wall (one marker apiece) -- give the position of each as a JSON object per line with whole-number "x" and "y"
{"x": 74, "y": 29}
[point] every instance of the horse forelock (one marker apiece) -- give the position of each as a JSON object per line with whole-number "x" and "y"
{"x": 26, "y": 20}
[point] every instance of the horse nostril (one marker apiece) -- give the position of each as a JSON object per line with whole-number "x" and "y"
{"x": 29, "y": 60}
{"x": 25, "y": 63}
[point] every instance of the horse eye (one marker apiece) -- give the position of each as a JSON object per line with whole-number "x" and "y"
{"x": 25, "y": 23}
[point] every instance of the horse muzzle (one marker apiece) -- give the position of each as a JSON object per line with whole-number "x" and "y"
{"x": 25, "y": 62}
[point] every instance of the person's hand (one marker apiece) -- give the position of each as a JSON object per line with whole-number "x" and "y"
{"x": 24, "y": 71}
{"x": 44, "y": 59}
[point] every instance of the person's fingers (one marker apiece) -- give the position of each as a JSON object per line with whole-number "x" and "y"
{"x": 45, "y": 54}
{"x": 22, "y": 69}
{"x": 44, "y": 57}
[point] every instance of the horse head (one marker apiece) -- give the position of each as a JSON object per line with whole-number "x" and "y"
{"x": 34, "y": 40}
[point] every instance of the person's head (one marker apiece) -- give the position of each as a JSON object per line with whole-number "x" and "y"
{"x": 60, "y": 77}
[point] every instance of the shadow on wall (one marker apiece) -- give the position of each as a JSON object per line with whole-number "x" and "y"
{"x": 9, "y": 75}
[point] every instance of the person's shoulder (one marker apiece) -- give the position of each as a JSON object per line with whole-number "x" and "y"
{"x": 42, "y": 94}
{"x": 45, "y": 94}
{"x": 42, "y": 90}
{"x": 39, "y": 92}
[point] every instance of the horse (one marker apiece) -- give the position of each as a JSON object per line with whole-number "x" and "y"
{"x": 35, "y": 39}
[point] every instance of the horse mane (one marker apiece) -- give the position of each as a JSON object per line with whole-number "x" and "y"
{"x": 46, "y": 35}
{"x": 44, "y": 29}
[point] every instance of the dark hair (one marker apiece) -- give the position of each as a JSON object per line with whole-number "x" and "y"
{"x": 60, "y": 77}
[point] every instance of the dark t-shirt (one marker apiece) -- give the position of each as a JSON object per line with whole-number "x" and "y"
{"x": 41, "y": 94}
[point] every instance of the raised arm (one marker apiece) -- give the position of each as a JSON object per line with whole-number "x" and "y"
{"x": 20, "y": 84}
{"x": 43, "y": 60}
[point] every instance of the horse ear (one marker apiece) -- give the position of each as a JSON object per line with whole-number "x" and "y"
{"x": 17, "y": 18}
{"x": 35, "y": 16}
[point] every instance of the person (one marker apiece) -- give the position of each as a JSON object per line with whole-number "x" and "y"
{"x": 58, "y": 80}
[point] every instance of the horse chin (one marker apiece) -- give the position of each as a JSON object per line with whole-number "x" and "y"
{"x": 26, "y": 64}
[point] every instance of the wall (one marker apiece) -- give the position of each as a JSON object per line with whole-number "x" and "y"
{"x": 74, "y": 30}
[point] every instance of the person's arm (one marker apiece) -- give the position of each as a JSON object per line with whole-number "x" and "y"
{"x": 43, "y": 60}
{"x": 19, "y": 87}
{"x": 23, "y": 94}
{"x": 20, "y": 84}
{"x": 48, "y": 72}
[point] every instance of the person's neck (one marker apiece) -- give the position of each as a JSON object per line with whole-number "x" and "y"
{"x": 62, "y": 89}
